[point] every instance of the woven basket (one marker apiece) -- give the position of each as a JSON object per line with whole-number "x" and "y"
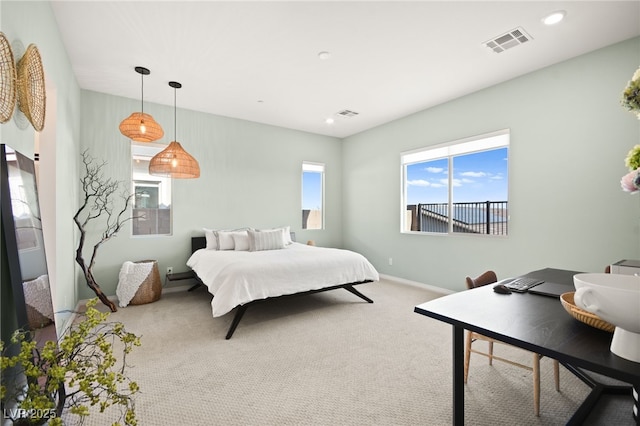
{"x": 31, "y": 91}
{"x": 8, "y": 77}
{"x": 583, "y": 316}
{"x": 151, "y": 288}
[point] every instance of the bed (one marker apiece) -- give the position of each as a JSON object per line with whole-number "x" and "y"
{"x": 242, "y": 278}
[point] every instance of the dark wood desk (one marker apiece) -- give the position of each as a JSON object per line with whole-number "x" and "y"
{"x": 536, "y": 323}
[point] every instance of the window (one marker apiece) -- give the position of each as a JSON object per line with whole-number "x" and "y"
{"x": 152, "y": 194}
{"x": 312, "y": 195}
{"x": 458, "y": 187}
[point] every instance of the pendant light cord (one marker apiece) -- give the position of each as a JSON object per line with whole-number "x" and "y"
{"x": 142, "y": 90}
{"x": 175, "y": 86}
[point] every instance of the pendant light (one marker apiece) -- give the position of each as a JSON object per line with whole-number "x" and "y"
{"x": 174, "y": 161}
{"x": 139, "y": 126}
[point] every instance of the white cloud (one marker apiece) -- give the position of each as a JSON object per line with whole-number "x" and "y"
{"x": 434, "y": 169}
{"x": 473, "y": 174}
{"x": 418, "y": 182}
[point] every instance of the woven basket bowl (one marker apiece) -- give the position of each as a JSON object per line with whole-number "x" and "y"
{"x": 584, "y": 316}
{"x": 31, "y": 91}
{"x": 8, "y": 77}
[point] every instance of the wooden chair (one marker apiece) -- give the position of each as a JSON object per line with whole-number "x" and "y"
{"x": 490, "y": 277}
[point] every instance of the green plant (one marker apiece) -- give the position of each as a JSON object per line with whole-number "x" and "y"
{"x": 631, "y": 94}
{"x": 71, "y": 375}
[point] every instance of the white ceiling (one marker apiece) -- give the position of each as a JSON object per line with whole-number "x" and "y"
{"x": 259, "y": 60}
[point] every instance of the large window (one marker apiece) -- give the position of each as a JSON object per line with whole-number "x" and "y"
{"x": 312, "y": 195}
{"x": 152, "y": 194}
{"x": 458, "y": 187}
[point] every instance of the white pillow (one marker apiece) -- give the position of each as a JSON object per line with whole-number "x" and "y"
{"x": 265, "y": 240}
{"x": 225, "y": 240}
{"x": 240, "y": 240}
{"x": 286, "y": 234}
{"x": 212, "y": 240}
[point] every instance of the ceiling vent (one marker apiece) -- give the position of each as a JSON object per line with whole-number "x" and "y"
{"x": 508, "y": 40}
{"x": 347, "y": 113}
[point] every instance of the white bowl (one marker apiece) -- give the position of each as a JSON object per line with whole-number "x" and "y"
{"x": 616, "y": 299}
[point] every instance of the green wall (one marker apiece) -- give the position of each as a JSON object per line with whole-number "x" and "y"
{"x": 24, "y": 23}
{"x": 251, "y": 173}
{"x": 569, "y": 137}
{"x": 250, "y": 176}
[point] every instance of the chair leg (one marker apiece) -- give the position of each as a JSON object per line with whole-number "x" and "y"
{"x": 556, "y": 374}
{"x": 536, "y": 384}
{"x": 467, "y": 356}
{"x": 490, "y": 353}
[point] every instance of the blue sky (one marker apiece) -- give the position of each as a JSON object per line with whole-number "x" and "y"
{"x": 311, "y": 191}
{"x": 479, "y": 176}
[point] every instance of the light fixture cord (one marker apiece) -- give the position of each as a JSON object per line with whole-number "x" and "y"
{"x": 175, "y": 115}
{"x": 142, "y": 94}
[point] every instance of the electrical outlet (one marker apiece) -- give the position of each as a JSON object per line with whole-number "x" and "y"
{"x": 169, "y": 269}
{"x": 391, "y": 261}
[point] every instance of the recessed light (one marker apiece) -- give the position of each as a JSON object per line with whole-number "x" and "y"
{"x": 554, "y": 18}
{"x": 329, "y": 120}
{"x": 324, "y": 55}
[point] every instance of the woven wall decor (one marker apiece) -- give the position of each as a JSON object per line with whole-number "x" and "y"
{"x": 7, "y": 80}
{"x": 31, "y": 91}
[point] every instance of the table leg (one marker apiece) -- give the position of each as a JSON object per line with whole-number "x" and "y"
{"x": 458, "y": 376}
{"x": 636, "y": 403}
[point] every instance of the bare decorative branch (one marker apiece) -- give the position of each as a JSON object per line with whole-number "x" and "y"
{"x": 99, "y": 193}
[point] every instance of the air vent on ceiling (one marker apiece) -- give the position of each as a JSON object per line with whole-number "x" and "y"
{"x": 508, "y": 40}
{"x": 347, "y": 113}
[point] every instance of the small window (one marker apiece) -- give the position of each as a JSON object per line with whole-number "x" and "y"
{"x": 152, "y": 194}
{"x": 312, "y": 195}
{"x": 459, "y": 187}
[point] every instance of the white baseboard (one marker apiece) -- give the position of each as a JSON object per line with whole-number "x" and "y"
{"x": 433, "y": 288}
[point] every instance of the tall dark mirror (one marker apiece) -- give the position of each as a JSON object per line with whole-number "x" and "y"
{"x": 24, "y": 244}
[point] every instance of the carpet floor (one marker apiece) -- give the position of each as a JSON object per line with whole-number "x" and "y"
{"x": 328, "y": 359}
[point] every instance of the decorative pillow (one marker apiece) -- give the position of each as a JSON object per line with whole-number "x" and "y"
{"x": 240, "y": 240}
{"x": 212, "y": 240}
{"x": 265, "y": 240}
{"x": 225, "y": 240}
{"x": 286, "y": 234}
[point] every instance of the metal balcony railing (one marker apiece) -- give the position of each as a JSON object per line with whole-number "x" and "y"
{"x": 485, "y": 217}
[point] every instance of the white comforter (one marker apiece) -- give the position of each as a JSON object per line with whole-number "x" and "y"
{"x": 238, "y": 277}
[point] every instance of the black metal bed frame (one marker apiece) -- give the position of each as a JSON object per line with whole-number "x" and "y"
{"x": 200, "y": 242}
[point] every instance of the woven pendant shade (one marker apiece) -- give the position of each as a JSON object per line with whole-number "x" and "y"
{"x": 141, "y": 127}
{"x": 175, "y": 162}
{"x": 133, "y": 125}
